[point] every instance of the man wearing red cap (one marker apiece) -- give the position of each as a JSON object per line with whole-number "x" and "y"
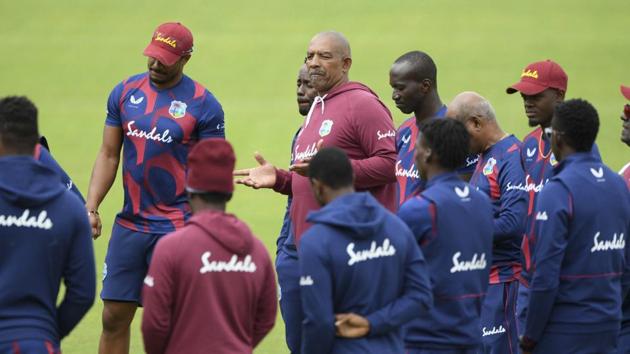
{"x": 211, "y": 286}
{"x": 157, "y": 116}
{"x": 543, "y": 85}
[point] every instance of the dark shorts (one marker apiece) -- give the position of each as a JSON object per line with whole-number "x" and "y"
{"x": 441, "y": 351}
{"x": 498, "y": 319}
{"x": 29, "y": 346}
{"x": 288, "y": 269}
{"x": 126, "y": 264}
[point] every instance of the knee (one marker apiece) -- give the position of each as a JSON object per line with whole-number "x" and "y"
{"x": 117, "y": 317}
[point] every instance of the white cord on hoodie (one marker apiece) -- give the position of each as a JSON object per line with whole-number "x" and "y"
{"x": 317, "y": 100}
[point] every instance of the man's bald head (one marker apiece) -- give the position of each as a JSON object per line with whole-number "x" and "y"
{"x": 337, "y": 41}
{"x": 470, "y": 104}
{"x": 328, "y": 59}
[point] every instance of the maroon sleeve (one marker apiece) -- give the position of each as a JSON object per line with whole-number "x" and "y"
{"x": 283, "y": 182}
{"x": 157, "y": 298}
{"x": 267, "y": 303}
{"x": 377, "y": 137}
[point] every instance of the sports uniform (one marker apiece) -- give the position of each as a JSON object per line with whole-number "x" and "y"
{"x": 159, "y": 127}
{"x": 499, "y": 174}
{"x": 453, "y": 223}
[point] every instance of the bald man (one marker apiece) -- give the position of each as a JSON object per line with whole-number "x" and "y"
{"x": 345, "y": 114}
{"x": 500, "y": 175}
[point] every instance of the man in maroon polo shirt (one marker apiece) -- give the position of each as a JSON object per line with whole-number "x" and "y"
{"x": 211, "y": 285}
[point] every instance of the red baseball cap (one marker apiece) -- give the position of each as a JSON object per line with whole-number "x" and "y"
{"x": 210, "y": 167}
{"x": 625, "y": 91}
{"x": 539, "y": 76}
{"x": 170, "y": 41}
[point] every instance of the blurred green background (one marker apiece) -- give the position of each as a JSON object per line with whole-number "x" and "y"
{"x": 67, "y": 55}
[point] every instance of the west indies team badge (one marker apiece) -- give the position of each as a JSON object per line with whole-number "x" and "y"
{"x": 177, "y": 109}
{"x": 325, "y": 128}
{"x": 489, "y": 167}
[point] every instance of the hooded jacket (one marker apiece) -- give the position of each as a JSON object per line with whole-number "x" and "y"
{"x": 360, "y": 258}
{"x": 352, "y": 118}
{"x": 210, "y": 289}
{"x": 45, "y": 236}
{"x": 581, "y": 268}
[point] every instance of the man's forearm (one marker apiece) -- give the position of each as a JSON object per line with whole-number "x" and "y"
{"x": 103, "y": 176}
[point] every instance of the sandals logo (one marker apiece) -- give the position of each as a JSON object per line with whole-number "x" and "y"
{"x": 530, "y": 73}
{"x": 168, "y": 40}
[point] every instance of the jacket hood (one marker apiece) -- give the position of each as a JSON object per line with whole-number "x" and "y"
{"x": 226, "y": 229}
{"x": 349, "y": 86}
{"x": 359, "y": 213}
{"x": 27, "y": 183}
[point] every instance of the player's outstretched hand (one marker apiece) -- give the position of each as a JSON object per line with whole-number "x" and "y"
{"x": 95, "y": 223}
{"x": 351, "y": 325}
{"x": 301, "y": 167}
{"x": 262, "y": 176}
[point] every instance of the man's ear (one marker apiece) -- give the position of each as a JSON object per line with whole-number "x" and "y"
{"x": 347, "y": 63}
{"x": 559, "y": 96}
{"x": 477, "y": 122}
{"x": 425, "y": 85}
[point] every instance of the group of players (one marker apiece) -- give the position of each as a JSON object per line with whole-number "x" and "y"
{"x": 441, "y": 236}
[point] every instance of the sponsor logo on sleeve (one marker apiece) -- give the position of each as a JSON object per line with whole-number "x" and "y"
{"x": 405, "y": 139}
{"x": 233, "y": 265}
{"x": 495, "y": 330}
{"x": 542, "y": 215}
{"x": 149, "y": 281}
{"x": 41, "y": 221}
{"x": 306, "y": 280}
{"x": 472, "y": 161}
{"x": 387, "y": 134}
{"x": 177, "y": 109}
{"x": 552, "y": 159}
{"x": 384, "y": 250}
{"x": 608, "y": 245}
{"x": 476, "y": 263}
{"x": 326, "y": 127}
{"x": 489, "y": 167}
{"x": 104, "y": 270}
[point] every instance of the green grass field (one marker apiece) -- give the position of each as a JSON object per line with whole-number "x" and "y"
{"x": 68, "y": 55}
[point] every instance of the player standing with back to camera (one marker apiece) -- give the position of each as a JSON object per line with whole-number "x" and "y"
{"x": 155, "y": 117}
{"x": 582, "y": 222}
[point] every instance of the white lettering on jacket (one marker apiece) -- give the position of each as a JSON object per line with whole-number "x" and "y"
{"x": 465, "y": 266}
{"x": 306, "y": 281}
{"x": 608, "y": 245}
{"x": 387, "y": 134}
{"x": 41, "y": 221}
{"x": 411, "y": 172}
{"x": 385, "y": 250}
{"x": 311, "y": 150}
{"x": 493, "y": 331}
{"x": 233, "y": 265}
{"x": 152, "y": 135}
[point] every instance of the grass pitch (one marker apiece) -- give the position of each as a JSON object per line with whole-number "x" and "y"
{"x": 68, "y": 55}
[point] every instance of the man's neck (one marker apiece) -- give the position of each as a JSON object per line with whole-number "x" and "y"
{"x": 201, "y": 207}
{"x": 169, "y": 84}
{"x": 336, "y": 193}
{"x": 343, "y": 81}
{"x": 494, "y": 136}
{"x": 429, "y": 108}
{"x": 433, "y": 171}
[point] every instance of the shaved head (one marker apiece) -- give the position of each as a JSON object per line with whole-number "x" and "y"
{"x": 328, "y": 59}
{"x": 338, "y": 42}
{"x": 470, "y": 104}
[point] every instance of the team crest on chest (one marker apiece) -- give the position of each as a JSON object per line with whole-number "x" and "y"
{"x": 326, "y": 128}
{"x": 177, "y": 109}
{"x": 489, "y": 167}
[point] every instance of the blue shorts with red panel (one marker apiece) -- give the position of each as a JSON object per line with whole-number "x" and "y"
{"x": 126, "y": 264}
{"x": 498, "y": 319}
{"x": 29, "y": 346}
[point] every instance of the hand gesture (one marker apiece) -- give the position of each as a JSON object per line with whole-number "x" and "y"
{"x": 262, "y": 176}
{"x": 301, "y": 167}
{"x": 350, "y": 325}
